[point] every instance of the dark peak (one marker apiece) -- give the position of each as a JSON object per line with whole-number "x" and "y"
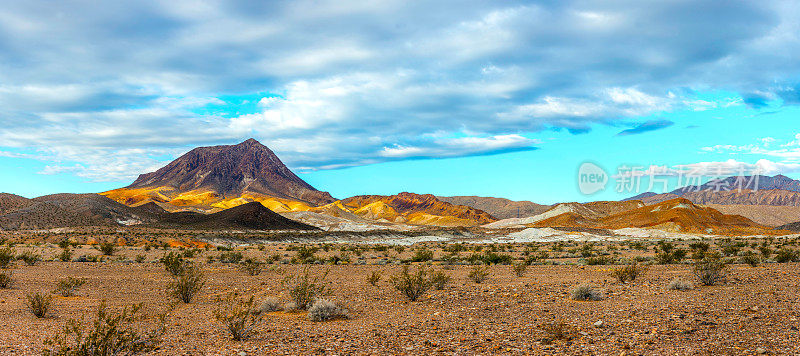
{"x": 250, "y": 142}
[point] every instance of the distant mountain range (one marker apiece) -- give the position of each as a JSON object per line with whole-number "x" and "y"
{"x": 779, "y": 190}
{"x": 498, "y": 207}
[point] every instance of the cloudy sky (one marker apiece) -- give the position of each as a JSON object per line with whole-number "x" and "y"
{"x": 502, "y": 98}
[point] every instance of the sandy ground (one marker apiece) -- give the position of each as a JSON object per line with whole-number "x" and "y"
{"x": 755, "y": 311}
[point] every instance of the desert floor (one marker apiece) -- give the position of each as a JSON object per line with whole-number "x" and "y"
{"x": 754, "y": 311}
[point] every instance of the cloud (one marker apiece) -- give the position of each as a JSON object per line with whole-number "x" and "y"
{"x": 343, "y": 81}
{"x": 647, "y": 126}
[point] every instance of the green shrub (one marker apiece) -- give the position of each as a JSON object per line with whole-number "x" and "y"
{"x": 599, "y": 260}
{"x": 439, "y": 280}
{"x": 414, "y": 285}
{"x": 38, "y": 303}
{"x": 230, "y": 257}
{"x": 174, "y": 263}
{"x": 478, "y": 274}
{"x": 240, "y": 317}
{"x": 186, "y": 285}
{"x": 68, "y": 286}
{"x": 786, "y": 254}
{"x": 65, "y": 255}
{"x": 422, "y": 255}
{"x": 109, "y": 334}
{"x": 108, "y": 248}
{"x": 305, "y": 254}
{"x": 304, "y": 289}
{"x": 750, "y": 258}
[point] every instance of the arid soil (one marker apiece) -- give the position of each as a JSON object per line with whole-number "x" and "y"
{"x": 755, "y": 311}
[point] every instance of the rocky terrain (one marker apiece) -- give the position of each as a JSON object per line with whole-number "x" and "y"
{"x": 498, "y": 207}
{"x": 751, "y": 311}
{"x": 423, "y": 209}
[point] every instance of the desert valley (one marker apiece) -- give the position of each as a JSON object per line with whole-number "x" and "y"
{"x": 226, "y": 251}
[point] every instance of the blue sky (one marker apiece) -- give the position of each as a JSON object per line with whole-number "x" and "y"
{"x": 502, "y": 98}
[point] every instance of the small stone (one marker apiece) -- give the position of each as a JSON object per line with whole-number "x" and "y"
{"x": 598, "y": 324}
{"x": 761, "y": 351}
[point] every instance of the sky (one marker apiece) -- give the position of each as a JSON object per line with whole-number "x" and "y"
{"x": 499, "y": 98}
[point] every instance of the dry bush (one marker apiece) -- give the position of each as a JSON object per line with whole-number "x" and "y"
{"x": 628, "y": 273}
{"x": 710, "y": 270}
{"x": 29, "y": 258}
{"x": 323, "y": 310}
{"x": 585, "y": 292}
{"x": 519, "y": 269}
{"x": 750, "y": 258}
{"x": 251, "y": 266}
{"x": 374, "y": 278}
{"x": 557, "y": 330}
{"x": 439, "y": 280}
{"x": 38, "y": 303}
{"x": 68, "y": 286}
{"x": 305, "y": 289}
{"x": 6, "y": 256}
{"x": 680, "y": 285}
{"x": 239, "y": 316}
{"x": 187, "y": 284}
{"x": 270, "y": 305}
{"x": 109, "y": 334}
{"x": 478, "y": 274}
{"x": 65, "y": 255}
{"x": 414, "y": 285}
{"x": 6, "y": 278}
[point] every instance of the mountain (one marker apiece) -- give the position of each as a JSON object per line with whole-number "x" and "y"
{"x": 779, "y": 190}
{"x": 498, "y": 207}
{"x": 251, "y": 216}
{"x": 416, "y": 209}
{"x": 220, "y": 177}
{"x": 10, "y": 202}
{"x": 577, "y": 212}
{"x": 677, "y": 215}
{"x": 769, "y": 215}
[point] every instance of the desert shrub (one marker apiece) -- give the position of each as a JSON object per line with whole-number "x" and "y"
{"x": 6, "y": 278}
{"x": 699, "y": 249}
{"x": 558, "y": 330}
{"x": 599, "y": 260}
{"x": 374, "y": 278}
{"x": 750, "y": 258}
{"x": 305, "y": 289}
{"x": 6, "y": 256}
{"x": 251, "y": 266}
{"x": 765, "y": 251}
{"x": 305, "y": 254}
{"x": 628, "y": 273}
{"x": 38, "y": 303}
{"x": 186, "y": 285}
{"x": 107, "y": 248}
{"x": 68, "y": 286}
{"x": 587, "y": 250}
{"x": 140, "y": 258}
{"x": 109, "y": 334}
{"x": 710, "y": 270}
{"x": 411, "y": 285}
{"x": 270, "y": 305}
{"x": 439, "y": 279}
{"x": 478, "y": 274}
{"x": 29, "y": 258}
{"x": 422, "y": 255}
{"x": 174, "y": 263}
{"x": 586, "y": 292}
{"x": 323, "y": 310}
{"x": 490, "y": 258}
{"x": 680, "y": 284}
{"x": 669, "y": 254}
{"x": 519, "y": 269}
{"x": 239, "y": 316}
{"x": 536, "y": 258}
{"x": 65, "y": 255}
{"x": 230, "y": 257}
{"x": 786, "y": 254}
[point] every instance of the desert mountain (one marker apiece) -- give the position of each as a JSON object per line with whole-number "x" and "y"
{"x": 10, "y": 202}
{"x": 498, "y": 207}
{"x": 577, "y": 211}
{"x": 252, "y": 216}
{"x": 222, "y": 177}
{"x": 416, "y": 209}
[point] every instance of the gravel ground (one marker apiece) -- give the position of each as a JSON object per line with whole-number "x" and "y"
{"x": 755, "y": 311}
